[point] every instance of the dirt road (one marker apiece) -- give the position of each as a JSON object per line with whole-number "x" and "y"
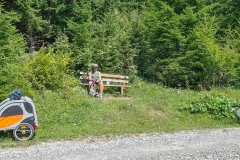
{"x": 221, "y": 144}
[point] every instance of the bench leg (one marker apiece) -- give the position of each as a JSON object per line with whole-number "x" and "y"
{"x": 122, "y": 91}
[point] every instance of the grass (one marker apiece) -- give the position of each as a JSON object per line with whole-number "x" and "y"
{"x": 149, "y": 108}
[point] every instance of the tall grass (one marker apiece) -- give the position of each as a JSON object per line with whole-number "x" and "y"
{"x": 146, "y": 108}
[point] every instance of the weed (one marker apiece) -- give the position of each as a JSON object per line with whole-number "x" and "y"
{"x": 218, "y": 107}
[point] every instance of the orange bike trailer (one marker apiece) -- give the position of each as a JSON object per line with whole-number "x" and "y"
{"x": 20, "y": 116}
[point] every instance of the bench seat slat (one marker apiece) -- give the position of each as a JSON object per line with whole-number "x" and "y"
{"x": 114, "y": 80}
{"x": 108, "y": 85}
{"x": 114, "y": 76}
{"x": 81, "y": 73}
{"x": 112, "y": 85}
{"x": 111, "y": 80}
{"x": 107, "y": 75}
{"x": 84, "y": 84}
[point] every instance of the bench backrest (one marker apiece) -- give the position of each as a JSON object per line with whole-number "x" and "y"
{"x": 108, "y": 78}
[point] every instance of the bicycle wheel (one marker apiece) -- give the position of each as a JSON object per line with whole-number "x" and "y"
{"x": 23, "y": 132}
{"x": 238, "y": 113}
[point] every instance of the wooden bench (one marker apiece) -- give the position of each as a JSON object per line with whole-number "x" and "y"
{"x": 109, "y": 80}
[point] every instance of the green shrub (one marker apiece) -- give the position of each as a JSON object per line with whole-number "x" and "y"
{"x": 47, "y": 69}
{"x": 218, "y": 107}
{"x": 12, "y": 46}
{"x": 11, "y": 77}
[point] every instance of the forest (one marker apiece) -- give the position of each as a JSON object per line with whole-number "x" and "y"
{"x": 194, "y": 44}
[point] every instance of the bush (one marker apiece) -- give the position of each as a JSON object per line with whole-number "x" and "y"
{"x": 218, "y": 107}
{"x": 12, "y": 46}
{"x": 12, "y": 77}
{"x": 47, "y": 69}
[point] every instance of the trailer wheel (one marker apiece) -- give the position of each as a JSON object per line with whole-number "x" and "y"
{"x": 238, "y": 113}
{"x": 23, "y": 132}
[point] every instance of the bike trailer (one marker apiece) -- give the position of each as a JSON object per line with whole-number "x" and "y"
{"x": 20, "y": 116}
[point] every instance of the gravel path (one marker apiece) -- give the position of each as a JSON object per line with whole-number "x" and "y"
{"x": 221, "y": 144}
